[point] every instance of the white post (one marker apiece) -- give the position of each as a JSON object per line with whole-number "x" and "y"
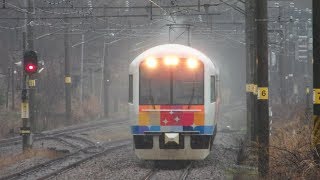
{"x": 81, "y": 71}
{"x": 102, "y": 69}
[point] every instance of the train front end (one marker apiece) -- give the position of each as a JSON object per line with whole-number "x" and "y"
{"x": 173, "y": 103}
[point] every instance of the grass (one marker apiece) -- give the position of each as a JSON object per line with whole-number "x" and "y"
{"x": 7, "y": 161}
{"x": 291, "y": 153}
{"x": 9, "y": 122}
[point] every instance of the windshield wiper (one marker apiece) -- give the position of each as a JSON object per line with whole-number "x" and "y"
{"x": 150, "y": 95}
{"x": 192, "y": 95}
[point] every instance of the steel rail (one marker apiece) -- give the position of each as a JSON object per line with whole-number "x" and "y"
{"x": 55, "y": 133}
{"x": 82, "y": 155}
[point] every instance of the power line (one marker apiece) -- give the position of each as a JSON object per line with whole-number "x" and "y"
{"x": 123, "y": 7}
{"x": 111, "y": 16}
{"x": 55, "y": 3}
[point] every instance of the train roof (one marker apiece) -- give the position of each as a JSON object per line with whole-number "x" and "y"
{"x": 175, "y": 50}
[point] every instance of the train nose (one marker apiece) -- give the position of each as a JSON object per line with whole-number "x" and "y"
{"x": 171, "y": 138}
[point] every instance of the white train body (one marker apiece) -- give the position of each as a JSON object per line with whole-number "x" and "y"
{"x": 173, "y": 103}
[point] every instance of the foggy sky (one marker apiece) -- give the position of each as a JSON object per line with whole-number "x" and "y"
{"x": 303, "y": 3}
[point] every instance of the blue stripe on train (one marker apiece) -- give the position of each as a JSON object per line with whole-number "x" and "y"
{"x": 200, "y": 129}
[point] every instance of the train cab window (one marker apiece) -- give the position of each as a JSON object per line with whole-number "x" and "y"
{"x": 188, "y": 86}
{"x": 165, "y": 85}
{"x": 130, "y": 88}
{"x": 213, "y": 89}
{"x": 154, "y": 85}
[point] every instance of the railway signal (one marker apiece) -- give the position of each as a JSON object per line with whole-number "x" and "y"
{"x": 30, "y": 67}
{"x": 30, "y": 62}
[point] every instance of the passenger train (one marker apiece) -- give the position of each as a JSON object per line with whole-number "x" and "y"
{"x": 173, "y": 103}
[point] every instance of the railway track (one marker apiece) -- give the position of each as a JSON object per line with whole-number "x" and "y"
{"x": 82, "y": 128}
{"x": 60, "y": 132}
{"x": 84, "y": 150}
{"x": 155, "y": 170}
{"x": 186, "y": 172}
{"x": 56, "y": 166}
{"x": 79, "y": 142}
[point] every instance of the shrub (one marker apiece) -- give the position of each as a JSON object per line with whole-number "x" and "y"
{"x": 291, "y": 154}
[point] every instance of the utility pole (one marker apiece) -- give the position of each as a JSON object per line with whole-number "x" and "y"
{"x": 92, "y": 90}
{"x": 81, "y": 69}
{"x": 189, "y": 35}
{"x": 185, "y": 27}
{"x": 263, "y": 95}
{"x": 26, "y": 137}
{"x": 106, "y": 76}
{"x": 27, "y": 107}
{"x": 29, "y": 29}
{"x": 8, "y": 88}
{"x": 12, "y": 86}
{"x": 106, "y": 81}
{"x": 67, "y": 75}
{"x": 251, "y": 67}
{"x": 32, "y": 78}
{"x": 316, "y": 80}
{"x": 282, "y": 59}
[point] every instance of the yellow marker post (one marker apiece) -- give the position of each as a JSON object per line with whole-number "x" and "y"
{"x": 24, "y": 110}
{"x": 255, "y": 89}
{"x": 32, "y": 83}
{"x": 248, "y": 87}
{"x": 25, "y": 132}
{"x": 316, "y": 96}
{"x": 67, "y": 80}
{"x": 263, "y": 93}
{"x": 252, "y": 88}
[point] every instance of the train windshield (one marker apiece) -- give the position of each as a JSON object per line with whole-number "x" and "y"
{"x": 167, "y": 85}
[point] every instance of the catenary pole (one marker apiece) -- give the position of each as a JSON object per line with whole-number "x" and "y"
{"x": 250, "y": 67}
{"x": 262, "y": 103}
{"x": 67, "y": 77}
{"x": 106, "y": 80}
{"x": 316, "y": 80}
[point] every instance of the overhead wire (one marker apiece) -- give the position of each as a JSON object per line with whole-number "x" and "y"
{"x": 86, "y": 13}
{"x": 55, "y": 3}
{"x": 162, "y": 10}
{"x": 99, "y": 18}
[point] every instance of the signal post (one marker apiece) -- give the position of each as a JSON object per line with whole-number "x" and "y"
{"x": 30, "y": 67}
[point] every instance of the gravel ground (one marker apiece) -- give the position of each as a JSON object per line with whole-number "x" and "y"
{"x": 215, "y": 165}
{"x": 10, "y": 150}
{"x": 123, "y": 164}
{"x": 26, "y": 163}
{"x": 9, "y": 163}
{"x": 43, "y": 151}
{"x": 119, "y": 164}
{"x": 169, "y": 169}
{"x": 117, "y": 132}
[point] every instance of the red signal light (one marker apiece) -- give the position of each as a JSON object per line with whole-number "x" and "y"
{"x": 30, "y": 62}
{"x": 30, "y": 68}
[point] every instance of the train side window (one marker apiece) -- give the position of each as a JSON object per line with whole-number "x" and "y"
{"x": 130, "y": 88}
{"x": 213, "y": 89}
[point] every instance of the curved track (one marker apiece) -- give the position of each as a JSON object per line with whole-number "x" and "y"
{"x": 65, "y": 131}
{"x": 155, "y": 170}
{"x": 59, "y": 165}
